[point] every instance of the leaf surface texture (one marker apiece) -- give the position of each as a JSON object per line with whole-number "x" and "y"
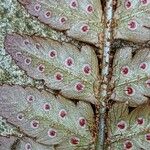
{"x": 50, "y": 120}
{"x": 133, "y": 20}
{"x": 129, "y": 130}
{"x": 62, "y": 66}
{"x": 131, "y": 76}
{"x": 80, "y": 19}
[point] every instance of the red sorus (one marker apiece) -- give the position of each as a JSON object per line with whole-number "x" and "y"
{"x": 125, "y": 70}
{"x": 140, "y": 121}
{"x": 34, "y": 124}
{"x": 143, "y": 66}
{"x": 62, "y": 113}
{"x": 122, "y": 125}
{"x": 18, "y": 54}
{"x": 47, "y": 107}
{"x": 69, "y": 62}
{"x": 128, "y": 145}
{"x": 147, "y": 137}
{"x": 47, "y": 14}
{"x": 79, "y": 87}
{"x": 148, "y": 83}
{"x": 89, "y": 9}
{"x": 73, "y": 4}
{"x": 52, "y": 54}
{"x": 132, "y": 25}
{"x": 144, "y": 2}
{"x": 37, "y": 45}
{"x": 82, "y": 121}
{"x": 85, "y": 28}
{"x": 26, "y": 41}
{"x": 28, "y": 146}
{"x": 52, "y": 133}
{"x": 20, "y": 116}
{"x": 30, "y": 98}
{"x": 74, "y": 141}
{"x": 27, "y": 61}
{"x": 58, "y": 76}
{"x": 129, "y": 91}
{"x": 37, "y": 7}
{"x": 128, "y": 4}
{"x": 41, "y": 68}
{"x": 86, "y": 69}
{"x": 63, "y": 20}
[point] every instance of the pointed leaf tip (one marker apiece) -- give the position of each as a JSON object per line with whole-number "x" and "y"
{"x": 62, "y": 66}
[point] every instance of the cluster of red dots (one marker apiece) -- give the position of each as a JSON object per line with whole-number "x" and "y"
{"x": 128, "y": 145}
{"x": 125, "y": 71}
{"x": 73, "y": 5}
{"x": 133, "y": 24}
{"x": 122, "y": 124}
{"x": 48, "y": 14}
{"x": 35, "y": 124}
{"x": 69, "y": 63}
{"x": 128, "y": 3}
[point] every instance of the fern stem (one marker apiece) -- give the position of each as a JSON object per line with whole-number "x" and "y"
{"x": 105, "y": 72}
